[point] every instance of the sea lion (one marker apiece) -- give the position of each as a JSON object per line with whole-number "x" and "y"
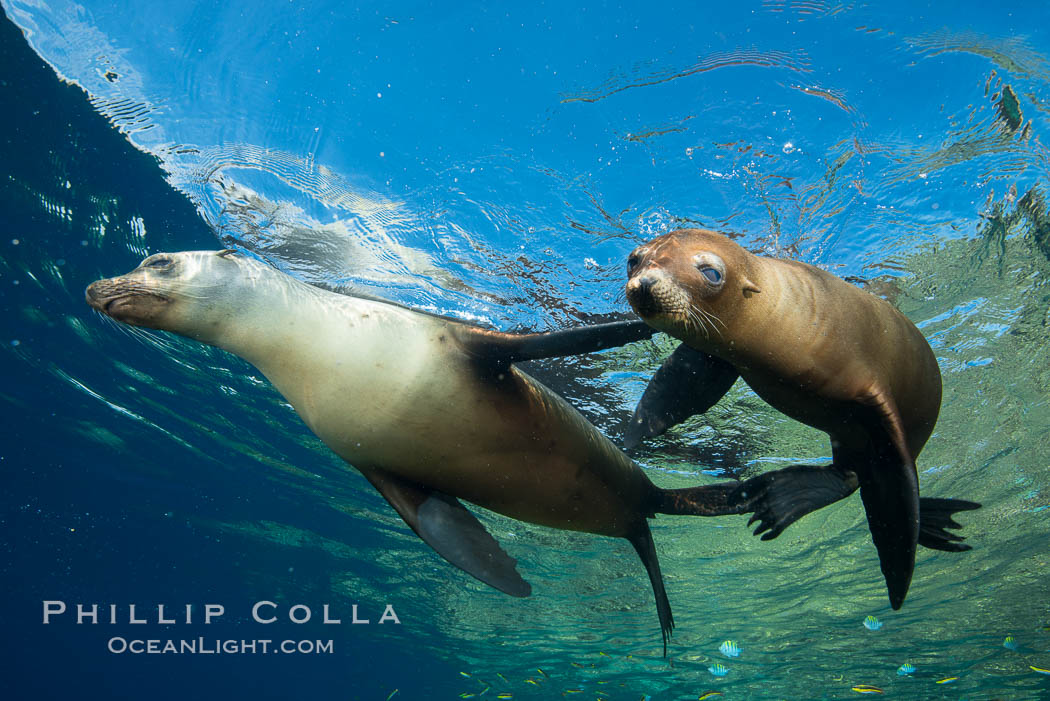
{"x": 817, "y": 349}
{"x": 430, "y": 410}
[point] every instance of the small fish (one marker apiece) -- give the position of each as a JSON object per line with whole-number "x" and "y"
{"x": 905, "y": 669}
{"x": 1010, "y": 643}
{"x": 1039, "y": 669}
{"x": 718, "y": 669}
{"x": 505, "y": 695}
{"x": 708, "y": 695}
{"x": 505, "y": 680}
{"x": 948, "y": 680}
{"x": 867, "y": 688}
{"x": 872, "y": 623}
{"x": 464, "y": 674}
{"x": 542, "y": 672}
{"x": 572, "y": 691}
{"x": 392, "y": 694}
{"x": 729, "y": 649}
{"x": 467, "y": 695}
{"x": 532, "y": 681}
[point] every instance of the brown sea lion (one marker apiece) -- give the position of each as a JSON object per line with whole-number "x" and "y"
{"x": 429, "y": 409}
{"x": 821, "y": 351}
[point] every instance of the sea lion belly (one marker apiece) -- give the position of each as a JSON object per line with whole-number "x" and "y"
{"x": 386, "y": 387}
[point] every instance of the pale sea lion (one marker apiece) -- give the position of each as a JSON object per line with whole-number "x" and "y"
{"x": 817, "y": 349}
{"x": 430, "y": 410}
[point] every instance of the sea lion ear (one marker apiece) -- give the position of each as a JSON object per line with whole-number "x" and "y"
{"x": 750, "y": 288}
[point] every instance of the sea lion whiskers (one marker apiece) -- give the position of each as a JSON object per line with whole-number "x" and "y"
{"x": 700, "y": 313}
{"x": 139, "y": 333}
{"x": 692, "y": 316}
{"x": 147, "y": 337}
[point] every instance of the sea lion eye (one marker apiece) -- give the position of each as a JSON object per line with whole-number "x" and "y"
{"x": 158, "y": 263}
{"x": 711, "y": 267}
{"x": 713, "y": 275}
{"x": 632, "y": 260}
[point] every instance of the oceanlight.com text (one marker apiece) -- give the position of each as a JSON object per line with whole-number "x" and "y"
{"x": 213, "y": 646}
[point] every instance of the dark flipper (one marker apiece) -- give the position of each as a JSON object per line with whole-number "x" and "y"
{"x": 501, "y": 348}
{"x": 453, "y": 532}
{"x": 889, "y": 488}
{"x": 935, "y": 518}
{"x": 642, "y": 540}
{"x": 781, "y": 497}
{"x": 689, "y": 382}
{"x": 891, "y": 502}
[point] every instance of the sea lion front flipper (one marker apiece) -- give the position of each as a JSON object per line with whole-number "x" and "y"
{"x": 889, "y": 488}
{"x": 503, "y": 348}
{"x": 452, "y": 531}
{"x": 642, "y": 540}
{"x": 891, "y": 502}
{"x": 689, "y": 382}
{"x": 781, "y": 497}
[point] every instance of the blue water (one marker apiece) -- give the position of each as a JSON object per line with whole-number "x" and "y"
{"x": 498, "y": 164}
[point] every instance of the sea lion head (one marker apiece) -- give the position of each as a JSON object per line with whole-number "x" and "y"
{"x": 689, "y": 282}
{"x": 188, "y": 293}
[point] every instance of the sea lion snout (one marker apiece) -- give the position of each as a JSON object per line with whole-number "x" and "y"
{"x": 640, "y": 290}
{"x": 653, "y": 292}
{"x": 126, "y": 299}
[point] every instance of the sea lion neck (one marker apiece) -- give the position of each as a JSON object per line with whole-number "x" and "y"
{"x": 257, "y": 318}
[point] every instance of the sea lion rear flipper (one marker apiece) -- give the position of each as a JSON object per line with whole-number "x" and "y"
{"x": 935, "y": 518}
{"x": 642, "y": 540}
{"x": 689, "y": 382}
{"x": 452, "y": 531}
{"x": 781, "y": 497}
{"x": 505, "y": 348}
